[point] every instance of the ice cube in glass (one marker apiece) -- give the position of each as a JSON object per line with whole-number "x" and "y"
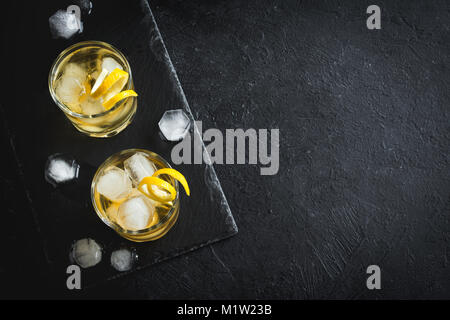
{"x": 135, "y": 213}
{"x": 138, "y": 167}
{"x": 114, "y": 184}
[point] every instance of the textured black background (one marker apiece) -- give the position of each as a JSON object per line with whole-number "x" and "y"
{"x": 364, "y": 153}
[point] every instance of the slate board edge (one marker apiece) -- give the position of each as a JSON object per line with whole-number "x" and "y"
{"x": 186, "y": 106}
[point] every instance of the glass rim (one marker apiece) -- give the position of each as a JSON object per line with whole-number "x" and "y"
{"x": 116, "y": 226}
{"x": 68, "y": 51}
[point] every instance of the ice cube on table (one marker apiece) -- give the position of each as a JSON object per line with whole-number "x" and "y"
{"x": 60, "y": 169}
{"x": 64, "y": 24}
{"x": 123, "y": 259}
{"x": 86, "y": 253}
{"x": 135, "y": 213}
{"x": 138, "y": 166}
{"x": 110, "y": 64}
{"x": 174, "y": 124}
{"x": 114, "y": 184}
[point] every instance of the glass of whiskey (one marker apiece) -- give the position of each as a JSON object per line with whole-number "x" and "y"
{"x": 122, "y": 204}
{"x": 91, "y": 82}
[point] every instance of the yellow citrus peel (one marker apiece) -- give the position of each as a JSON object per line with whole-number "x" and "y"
{"x": 170, "y": 192}
{"x": 160, "y": 183}
{"x": 176, "y": 175}
{"x": 112, "y": 84}
{"x": 120, "y": 96}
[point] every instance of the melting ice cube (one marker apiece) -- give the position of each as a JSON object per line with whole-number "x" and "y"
{"x": 69, "y": 86}
{"x": 60, "y": 169}
{"x": 138, "y": 167}
{"x": 74, "y": 70}
{"x": 135, "y": 213}
{"x": 110, "y": 64}
{"x": 64, "y": 24}
{"x": 174, "y": 124}
{"x": 123, "y": 259}
{"x": 86, "y": 253}
{"x": 114, "y": 184}
{"x": 91, "y": 106}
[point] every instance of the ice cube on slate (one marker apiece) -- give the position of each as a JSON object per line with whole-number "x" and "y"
{"x": 114, "y": 184}
{"x": 174, "y": 124}
{"x": 64, "y": 24}
{"x": 138, "y": 167}
{"x": 135, "y": 213}
{"x": 123, "y": 259}
{"x": 60, "y": 169}
{"x": 86, "y": 253}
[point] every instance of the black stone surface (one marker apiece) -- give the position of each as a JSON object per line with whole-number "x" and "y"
{"x": 364, "y": 151}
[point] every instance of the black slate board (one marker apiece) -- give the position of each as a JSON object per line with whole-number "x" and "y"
{"x": 38, "y": 129}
